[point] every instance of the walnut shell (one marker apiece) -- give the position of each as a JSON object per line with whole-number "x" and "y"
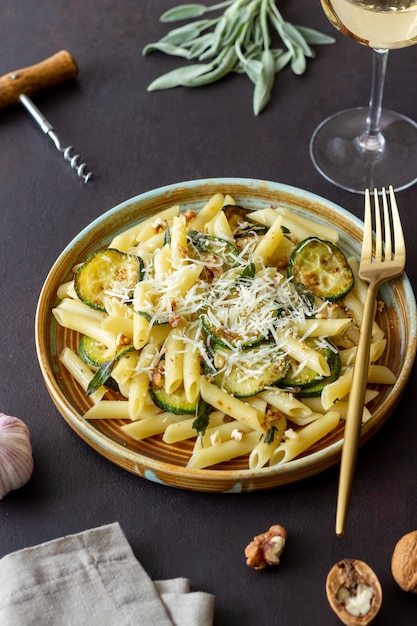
{"x": 349, "y": 581}
{"x": 404, "y": 562}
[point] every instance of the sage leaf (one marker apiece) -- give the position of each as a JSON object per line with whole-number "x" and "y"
{"x": 298, "y": 62}
{"x": 101, "y": 376}
{"x": 265, "y": 82}
{"x": 252, "y": 69}
{"x": 236, "y": 40}
{"x": 187, "y": 11}
{"x": 167, "y": 48}
{"x": 223, "y": 64}
{"x": 315, "y": 37}
{"x": 184, "y": 12}
{"x": 182, "y": 35}
{"x": 297, "y": 38}
{"x": 199, "y": 46}
{"x": 281, "y": 59}
{"x": 202, "y": 417}
{"x": 180, "y": 76}
{"x": 270, "y": 435}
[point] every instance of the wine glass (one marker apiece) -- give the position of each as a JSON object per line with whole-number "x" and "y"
{"x": 368, "y": 147}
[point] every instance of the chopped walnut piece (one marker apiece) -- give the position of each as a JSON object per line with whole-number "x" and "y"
{"x": 380, "y": 306}
{"x": 159, "y": 224}
{"x": 266, "y": 549}
{"x": 122, "y": 340}
{"x": 183, "y": 251}
{"x": 157, "y": 380}
{"x": 175, "y": 321}
{"x": 237, "y": 434}
{"x": 189, "y": 214}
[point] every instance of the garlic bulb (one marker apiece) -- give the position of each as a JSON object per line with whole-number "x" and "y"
{"x": 16, "y": 461}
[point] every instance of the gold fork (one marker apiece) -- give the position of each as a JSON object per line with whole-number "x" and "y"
{"x": 388, "y": 262}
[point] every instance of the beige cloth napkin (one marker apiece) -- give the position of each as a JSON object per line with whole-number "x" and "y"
{"x": 93, "y": 578}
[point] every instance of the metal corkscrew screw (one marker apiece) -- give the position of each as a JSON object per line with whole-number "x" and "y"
{"x": 48, "y": 129}
{"x": 17, "y": 87}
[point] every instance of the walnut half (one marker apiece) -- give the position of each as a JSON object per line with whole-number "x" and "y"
{"x": 404, "y": 562}
{"x": 266, "y": 549}
{"x": 354, "y": 592}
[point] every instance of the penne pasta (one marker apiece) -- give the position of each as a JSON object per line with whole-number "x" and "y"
{"x": 304, "y": 438}
{"x": 212, "y": 342}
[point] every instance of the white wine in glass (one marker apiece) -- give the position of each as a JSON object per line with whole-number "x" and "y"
{"x": 369, "y": 147}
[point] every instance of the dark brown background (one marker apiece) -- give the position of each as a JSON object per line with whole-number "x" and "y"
{"x": 135, "y": 141}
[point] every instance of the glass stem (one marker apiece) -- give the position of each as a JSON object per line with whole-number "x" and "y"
{"x": 372, "y": 139}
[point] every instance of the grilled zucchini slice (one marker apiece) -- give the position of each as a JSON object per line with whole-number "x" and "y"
{"x": 245, "y": 373}
{"x": 106, "y": 271}
{"x": 220, "y": 250}
{"x": 96, "y": 354}
{"x": 173, "y": 402}
{"x": 308, "y": 383}
{"x": 322, "y": 268}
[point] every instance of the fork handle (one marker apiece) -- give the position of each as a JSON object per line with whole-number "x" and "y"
{"x": 355, "y": 410}
{"x": 54, "y": 70}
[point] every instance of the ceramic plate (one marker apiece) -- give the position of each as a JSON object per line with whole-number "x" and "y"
{"x": 159, "y": 462}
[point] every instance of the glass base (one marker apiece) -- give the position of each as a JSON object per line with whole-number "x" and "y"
{"x": 337, "y": 154}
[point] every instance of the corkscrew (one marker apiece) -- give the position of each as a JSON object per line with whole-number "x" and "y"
{"x": 17, "y": 87}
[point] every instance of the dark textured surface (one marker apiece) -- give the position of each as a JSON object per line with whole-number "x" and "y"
{"x": 135, "y": 141}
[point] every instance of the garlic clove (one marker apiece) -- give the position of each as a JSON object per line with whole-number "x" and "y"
{"x": 354, "y": 592}
{"x": 16, "y": 460}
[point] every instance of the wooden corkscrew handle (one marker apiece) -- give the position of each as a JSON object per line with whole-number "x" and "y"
{"x": 56, "y": 69}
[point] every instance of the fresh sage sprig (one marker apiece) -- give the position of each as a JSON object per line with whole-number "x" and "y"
{"x": 240, "y": 39}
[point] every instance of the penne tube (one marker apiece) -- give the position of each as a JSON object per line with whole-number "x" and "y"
{"x": 337, "y": 390}
{"x": 150, "y": 426}
{"x": 191, "y": 372}
{"x": 304, "y": 438}
{"x": 76, "y": 307}
{"x": 162, "y": 263}
{"x": 67, "y": 290}
{"x": 108, "y": 409}
{"x": 183, "y": 279}
{"x": 80, "y": 372}
{"x": 263, "y": 450}
{"x": 304, "y": 354}
{"x": 353, "y": 304}
{"x": 178, "y": 245}
{"x": 285, "y": 402}
{"x": 84, "y": 325}
{"x": 117, "y": 325}
{"x": 268, "y": 244}
{"x": 230, "y": 449}
{"x": 377, "y": 348}
{"x": 174, "y": 358}
{"x": 179, "y": 431}
{"x": 143, "y": 230}
{"x": 380, "y": 374}
{"x": 139, "y": 382}
{"x": 125, "y": 367}
{"x": 232, "y": 406}
{"x": 220, "y": 227}
{"x": 217, "y": 433}
{"x": 329, "y": 233}
{"x": 209, "y": 210}
{"x": 340, "y": 388}
{"x": 322, "y": 327}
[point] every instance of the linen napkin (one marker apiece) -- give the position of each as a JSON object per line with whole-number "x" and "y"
{"x": 93, "y": 578}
